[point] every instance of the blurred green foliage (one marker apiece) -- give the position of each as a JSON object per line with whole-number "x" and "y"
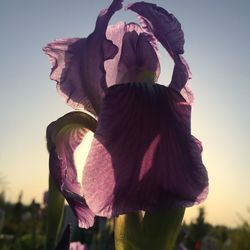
{"x": 25, "y": 229}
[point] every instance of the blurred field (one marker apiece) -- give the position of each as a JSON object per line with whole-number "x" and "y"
{"x": 23, "y": 227}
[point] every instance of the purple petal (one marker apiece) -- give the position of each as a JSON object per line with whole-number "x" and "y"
{"x": 78, "y": 64}
{"x": 136, "y": 54}
{"x": 167, "y": 29}
{"x": 115, "y": 33}
{"x": 64, "y": 135}
{"x": 67, "y": 59}
{"x": 180, "y": 78}
{"x": 165, "y": 26}
{"x": 143, "y": 156}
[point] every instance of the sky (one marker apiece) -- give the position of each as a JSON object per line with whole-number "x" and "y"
{"x": 217, "y": 48}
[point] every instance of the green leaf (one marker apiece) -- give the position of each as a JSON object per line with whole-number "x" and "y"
{"x": 55, "y": 215}
{"x": 57, "y": 132}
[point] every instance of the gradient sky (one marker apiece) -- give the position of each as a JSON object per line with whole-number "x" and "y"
{"x": 217, "y": 48}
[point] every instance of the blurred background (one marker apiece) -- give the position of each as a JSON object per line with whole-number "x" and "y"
{"x": 217, "y": 48}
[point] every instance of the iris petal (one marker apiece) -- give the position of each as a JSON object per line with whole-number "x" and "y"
{"x": 64, "y": 135}
{"x": 164, "y": 25}
{"x": 78, "y": 64}
{"x": 136, "y": 53}
{"x": 116, "y": 33}
{"x": 167, "y": 29}
{"x": 143, "y": 156}
{"x": 66, "y": 57}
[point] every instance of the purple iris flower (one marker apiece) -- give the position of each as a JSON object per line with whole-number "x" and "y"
{"x": 143, "y": 156}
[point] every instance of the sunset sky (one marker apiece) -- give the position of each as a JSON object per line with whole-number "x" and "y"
{"x": 217, "y": 48}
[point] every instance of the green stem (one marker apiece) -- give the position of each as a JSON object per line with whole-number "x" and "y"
{"x": 160, "y": 228}
{"x": 157, "y": 230}
{"x": 128, "y": 231}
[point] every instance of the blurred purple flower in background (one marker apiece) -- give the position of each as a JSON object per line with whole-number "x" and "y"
{"x": 143, "y": 156}
{"x": 45, "y": 197}
{"x": 77, "y": 246}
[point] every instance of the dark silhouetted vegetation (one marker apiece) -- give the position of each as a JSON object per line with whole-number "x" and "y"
{"x": 23, "y": 227}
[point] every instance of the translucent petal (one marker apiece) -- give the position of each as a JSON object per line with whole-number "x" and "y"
{"x": 164, "y": 25}
{"x": 64, "y": 135}
{"x": 143, "y": 156}
{"x": 167, "y": 29}
{"x": 78, "y": 64}
{"x": 67, "y": 59}
{"x": 136, "y": 54}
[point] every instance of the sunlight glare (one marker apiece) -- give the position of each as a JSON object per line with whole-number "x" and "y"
{"x": 81, "y": 153}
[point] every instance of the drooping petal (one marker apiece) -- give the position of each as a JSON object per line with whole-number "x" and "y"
{"x": 78, "y": 64}
{"x": 136, "y": 54}
{"x": 167, "y": 29}
{"x": 64, "y": 135}
{"x": 143, "y": 156}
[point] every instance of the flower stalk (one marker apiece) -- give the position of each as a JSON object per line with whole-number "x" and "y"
{"x": 155, "y": 230}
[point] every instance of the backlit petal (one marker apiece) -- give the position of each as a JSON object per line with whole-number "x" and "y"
{"x": 67, "y": 59}
{"x": 64, "y": 135}
{"x": 143, "y": 156}
{"x": 164, "y": 25}
{"x": 137, "y": 54}
{"x": 78, "y": 64}
{"x": 167, "y": 29}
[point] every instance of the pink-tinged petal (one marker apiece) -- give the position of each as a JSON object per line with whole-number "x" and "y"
{"x": 143, "y": 156}
{"x": 77, "y": 246}
{"x": 63, "y": 136}
{"x": 167, "y": 29}
{"x": 138, "y": 59}
{"x": 78, "y": 64}
{"x": 136, "y": 54}
{"x": 114, "y": 33}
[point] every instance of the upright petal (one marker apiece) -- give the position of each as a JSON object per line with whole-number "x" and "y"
{"x": 164, "y": 25}
{"x": 78, "y": 64}
{"x": 167, "y": 29}
{"x": 143, "y": 156}
{"x": 180, "y": 77}
{"x": 64, "y": 135}
{"x": 136, "y": 54}
{"x": 66, "y": 57}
